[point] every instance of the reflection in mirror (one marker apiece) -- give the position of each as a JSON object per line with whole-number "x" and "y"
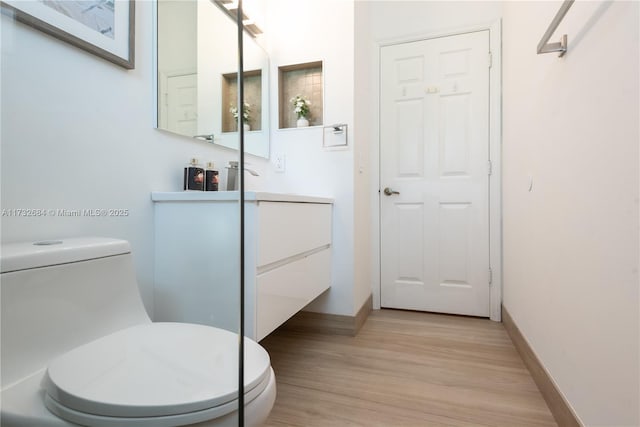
{"x": 197, "y": 77}
{"x": 177, "y": 66}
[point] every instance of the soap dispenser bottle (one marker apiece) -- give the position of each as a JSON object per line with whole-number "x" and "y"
{"x": 193, "y": 176}
{"x": 211, "y": 178}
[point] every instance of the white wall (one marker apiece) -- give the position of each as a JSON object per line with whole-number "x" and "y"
{"x": 393, "y": 19}
{"x": 571, "y": 244}
{"x": 178, "y": 30}
{"x": 307, "y": 31}
{"x": 365, "y": 196}
{"x": 77, "y": 132}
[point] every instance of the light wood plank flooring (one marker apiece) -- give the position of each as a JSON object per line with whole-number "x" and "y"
{"x": 404, "y": 369}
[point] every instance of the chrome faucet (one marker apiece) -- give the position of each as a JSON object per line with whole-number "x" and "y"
{"x": 207, "y": 137}
{"x": 232, "y": 175}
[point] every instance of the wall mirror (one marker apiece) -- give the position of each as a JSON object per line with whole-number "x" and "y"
{"x": 197, "y": 63}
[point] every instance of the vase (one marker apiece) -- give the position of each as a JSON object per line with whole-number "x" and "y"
{"x": 247, "y": 127}
{"x": 302, "y": 122}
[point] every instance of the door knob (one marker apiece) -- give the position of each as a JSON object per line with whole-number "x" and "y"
{"x": 389, "y": 192}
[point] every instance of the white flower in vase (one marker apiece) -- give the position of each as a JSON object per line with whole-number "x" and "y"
{"x": 246, "y": 114}
{"x": 301, "y": 108}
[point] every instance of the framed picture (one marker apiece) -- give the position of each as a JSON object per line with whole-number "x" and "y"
{"x": 102, "y": 27}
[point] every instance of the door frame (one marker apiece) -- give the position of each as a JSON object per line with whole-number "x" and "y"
{"x": 495, "y": 155}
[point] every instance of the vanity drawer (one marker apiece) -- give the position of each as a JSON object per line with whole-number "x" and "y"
{"x": 288, "y": 229}
{"x": 282, "y": 292}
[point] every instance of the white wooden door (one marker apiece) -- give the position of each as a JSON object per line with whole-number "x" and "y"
{"x": 434, "y": 151}
{"x": 182, "y": 104}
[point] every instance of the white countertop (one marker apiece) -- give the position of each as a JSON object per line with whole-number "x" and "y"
{"x": 219, "y": 196}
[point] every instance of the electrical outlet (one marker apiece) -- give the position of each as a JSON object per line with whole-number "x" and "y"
{"x": 279, "y": 162}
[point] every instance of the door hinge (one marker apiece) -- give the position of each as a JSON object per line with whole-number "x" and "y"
{"x": 489, "y": 167}
{"x": 490, "y": 59}
{"x": 490, "y": 276}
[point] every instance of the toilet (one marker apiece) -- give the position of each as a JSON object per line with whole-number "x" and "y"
{"x": 78, "y": 348}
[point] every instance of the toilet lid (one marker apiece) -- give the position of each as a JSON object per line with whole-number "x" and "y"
{"x": 155, "y": 369}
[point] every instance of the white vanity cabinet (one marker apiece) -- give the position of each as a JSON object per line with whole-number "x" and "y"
{"x": 197, "y": 263}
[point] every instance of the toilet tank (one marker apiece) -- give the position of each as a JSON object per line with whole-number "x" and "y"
{"x": 57, "y": 295}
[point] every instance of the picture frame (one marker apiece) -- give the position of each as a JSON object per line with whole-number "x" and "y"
{"x": 105, "y": 28}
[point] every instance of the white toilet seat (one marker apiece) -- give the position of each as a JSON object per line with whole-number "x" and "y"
{"x": 91, "y": 420}
{"x": 155, "y": 374}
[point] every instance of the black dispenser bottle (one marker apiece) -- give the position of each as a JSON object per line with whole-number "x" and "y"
{"x": 193, "y": 176}
{"x": 211, "y": 180}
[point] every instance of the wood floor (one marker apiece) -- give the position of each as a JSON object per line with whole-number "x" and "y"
{"x": 404, "y": 369}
